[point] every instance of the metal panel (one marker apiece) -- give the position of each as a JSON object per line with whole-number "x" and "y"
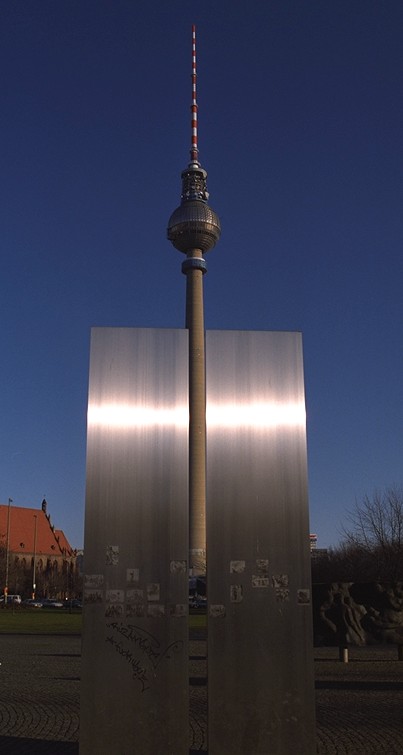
{"x": 260, "y": 658}
{"x": 134, "y": 696}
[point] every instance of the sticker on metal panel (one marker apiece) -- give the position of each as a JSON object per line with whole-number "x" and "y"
{"x": 178, "y": 610}
{"x": 135, "y": 609}
{"x": 157, "y": 610}
{"x": 134, "y": 595}
{"x": 236, "y": 567}
{"x": 280, "y": 584}
{"x": 262, "y": 567}
{"x": 303, "y": 596}
{"x": 279, "y": 580}
{"x": 217, "y": 611}
{"x": 114, "y": 610}
{"x": 177, "y": 567}
{"x": 93, "y": 580}
{"x": 115, "y": 596}
{"x": 153, "y": 591}
{"x": 92, "y": 597}
{"x": 236, "y": 593}
{"x": 282, "y": 594}
{"x": 132, "y": 575}
{"x": 112, "y": 555}
{"x": 258, "y": 581}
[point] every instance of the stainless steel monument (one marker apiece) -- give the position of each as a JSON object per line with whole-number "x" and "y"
{"x": 260, "y": 648}
{"x": 164, "y": 407}
{"x": 134, "y": 675}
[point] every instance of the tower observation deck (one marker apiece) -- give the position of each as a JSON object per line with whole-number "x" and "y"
{"x": 194, "y": 228}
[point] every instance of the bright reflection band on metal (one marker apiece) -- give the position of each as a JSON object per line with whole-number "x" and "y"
{"x": 262, "y": 414}
{"x": 121, "y": 416}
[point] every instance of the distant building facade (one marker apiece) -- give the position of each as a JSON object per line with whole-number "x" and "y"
{"x": 316, "y": 552}
{"x": 40, "y": 558}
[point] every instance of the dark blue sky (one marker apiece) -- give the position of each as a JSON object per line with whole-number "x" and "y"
{"x": 300, "y": 130}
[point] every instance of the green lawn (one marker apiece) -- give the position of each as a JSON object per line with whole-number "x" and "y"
{"x": 197, "y": 621}
{"x": 42, "y": 621}
{"x": 39, "y": 621}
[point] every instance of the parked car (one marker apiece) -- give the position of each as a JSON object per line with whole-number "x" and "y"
{"x": 12, "y": 600}
{"x": 73, "y": 603}
{"x": 32, "y": 603}
{"x": 52, "y": 603}
{"x": 197, "y": 601}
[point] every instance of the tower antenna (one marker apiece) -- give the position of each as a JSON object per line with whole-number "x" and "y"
{"x": 194, "y": 151}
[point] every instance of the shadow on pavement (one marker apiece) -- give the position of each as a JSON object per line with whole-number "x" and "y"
{"x": 21, "y": 746}
{"x": 358, "y": 684}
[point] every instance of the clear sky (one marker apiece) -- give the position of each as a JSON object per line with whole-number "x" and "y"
{"x": 300, "y": 130}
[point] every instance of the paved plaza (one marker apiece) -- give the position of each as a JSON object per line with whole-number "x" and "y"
{"x": 359, "y": 704}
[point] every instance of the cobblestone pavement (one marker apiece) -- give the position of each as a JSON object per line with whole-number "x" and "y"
{"x": 359, "y": 704}
{"x": 39, "y": 695}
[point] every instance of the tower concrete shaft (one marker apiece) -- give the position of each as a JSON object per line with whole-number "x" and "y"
{"x": 197, "y": 412}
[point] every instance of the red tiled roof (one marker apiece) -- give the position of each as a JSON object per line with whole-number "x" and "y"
{"x": 63, "y": 542}
{"x": 49, "y": 542}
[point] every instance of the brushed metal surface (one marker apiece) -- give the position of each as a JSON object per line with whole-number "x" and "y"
{"x": 134, "y": 686}
{"x": 260, "y": 664}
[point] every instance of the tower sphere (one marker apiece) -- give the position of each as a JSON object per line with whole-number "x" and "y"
{"x": 194, "y": 225}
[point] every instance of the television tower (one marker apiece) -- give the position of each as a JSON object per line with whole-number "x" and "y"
{"x": 194, "y": 228}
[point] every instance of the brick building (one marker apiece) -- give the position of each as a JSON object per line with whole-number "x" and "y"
{"x": 37, "y": 552}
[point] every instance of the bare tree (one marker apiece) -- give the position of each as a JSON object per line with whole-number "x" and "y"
{"x": 341, "y": 564}
{"x": 375, "y": 533}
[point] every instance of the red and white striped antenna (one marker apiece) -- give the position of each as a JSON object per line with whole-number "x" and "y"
{"x": 194, "y": 152}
